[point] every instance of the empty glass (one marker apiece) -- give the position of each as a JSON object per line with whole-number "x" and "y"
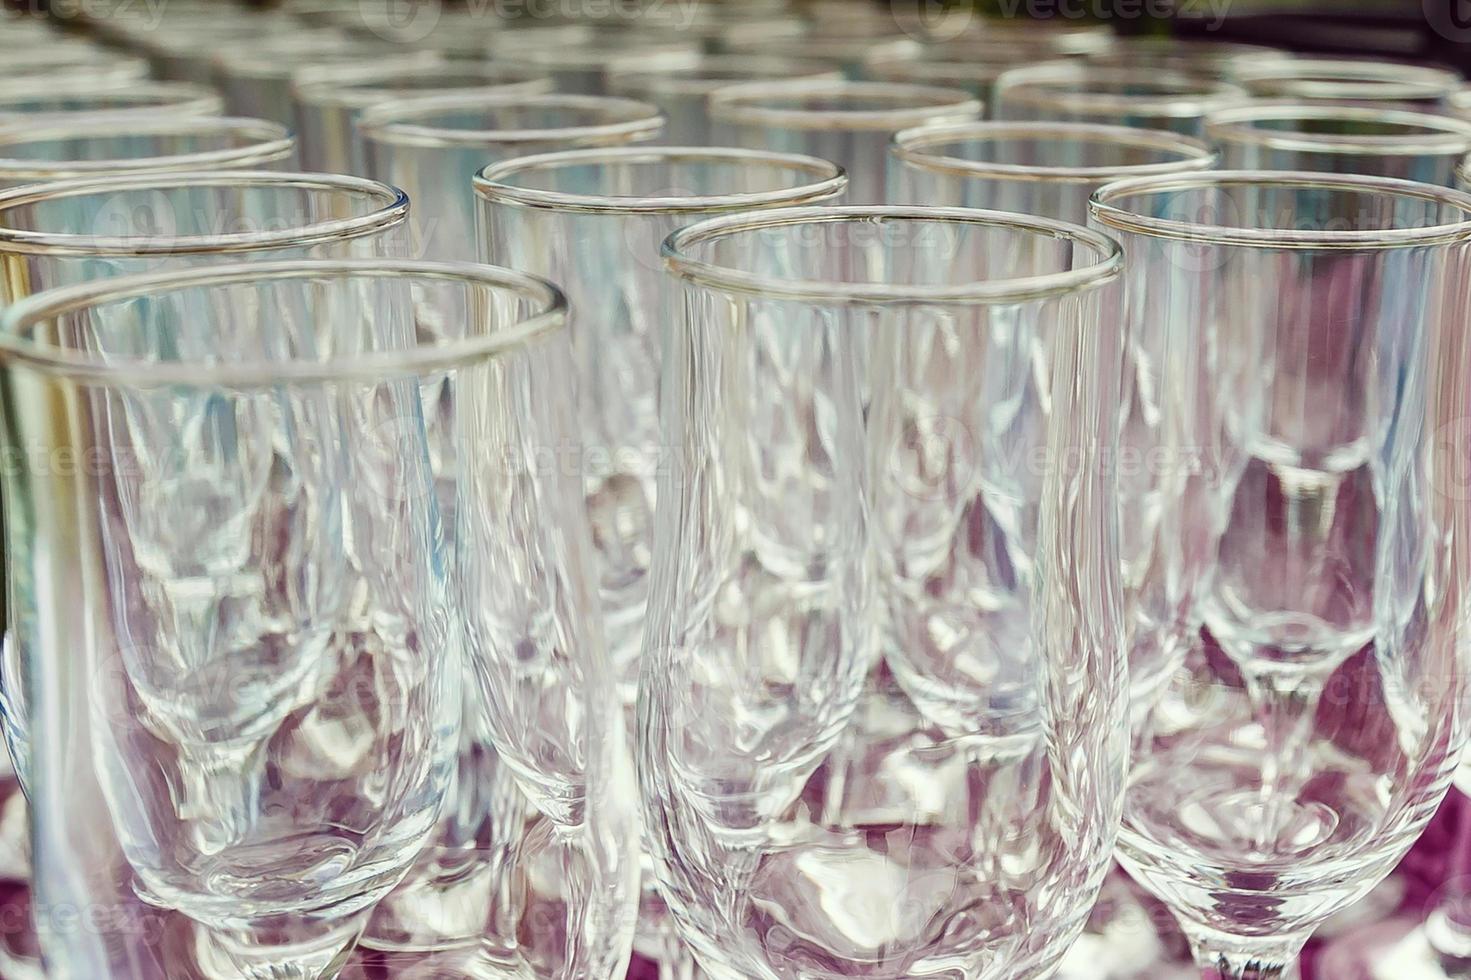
{"x": 594, "y": 220}
{"x": 1297, "y": 403}
{"x": 1270, "y": 135}
{"x": 329, "y": 100}
{"x": 682, "y": 88}
{"x": 48, "y": 63}
{"x": 57, "y": 147}
{"x": 21, "y": 97}
{"x": 838, "y": 51}
{"x": 882, "y": 704}
{"x": 582, "y": 68}
{"x": 1342, "y": 79}
{"x": 1218, "y": 59}
{"x": 1071, "y": 91}
{"x": 1046, "y": 169}
{"x": 434, "y": 146}
{"x": 972, "y": 64}
{"x": 256, "y": 77}
{"x": 849, "y": 123}
{"x": 242, "y": 638}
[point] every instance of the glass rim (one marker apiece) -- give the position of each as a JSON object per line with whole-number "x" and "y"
{"x": 354, "y": 86}
{"x": 742, "y": 104}
{"x": 280, "y": 55}
{"x": 690, "y": 78}
{"x": 1439, "y": 134}
{"x": 17, "y": 320}
{"x": 1352, "y": 78}
{"x": 830, "y": 49}
{"x": 828, "y": 180}
{"x": 1192, "y": 95}
{"x": 909, "y": 146}
{"x": 598, "y": 54}
{"x": 393, "y": 209}
{"x": 268, "y": 141}
{"x": 712, "y": 275}
{"x": 392, "y": 121}
{"x": 196, "y": 99}
{"x": 1103, "y": 209}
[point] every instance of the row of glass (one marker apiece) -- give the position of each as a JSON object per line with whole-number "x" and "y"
{"x": 336, "y": 570}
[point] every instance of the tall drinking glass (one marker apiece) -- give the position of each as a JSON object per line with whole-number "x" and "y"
{"x": 594, "y": 220}
{"x": 849, "y": 123}
{"x": 50, "y": 63}
{"x": 972, "y": 64}
{"x": 1328, "y": 79}
{"x": 882, "y": 705}
{"x": 1344, "y": 139}
{"x": 433, "y": 147}
{"x": 256, "y": 77}
{"x": 682, "y": 89}
{"x": 1217, "y": 59}
{"x": 1047, "y": 169}
{"x": 329, "y": 100}
{"x": 1303, "y": 401}
{"x": 242, "y": 637}
{"x": 582, "y": 68}
{"x": 1068, "y": 91}
{"x": 25, "y": 98}
{"x": 58, "y": 147}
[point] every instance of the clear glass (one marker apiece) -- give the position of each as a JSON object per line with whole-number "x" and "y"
{"x": 1071, "y": 91}
{"x": 849, "y": 123}
{"x": 582, "y": 68}
{"x": 1047, "y": 169}
{"x": 1334, "y": 79}
{"x": 594, "y": 220}
{"x": 843, "y": 53}
{"x": 882, "y": 705}
{"x": 256, "y": 77}
{"x": 433, "y": 147}
{"x": 48, "y": 63}
{"x": 58, "y": 147}
{"x": 1218, "y": 59}
{"x": 969, "y": 63}
{"x": 329, "y": 100}
{"x": 1343, "y": 139}
{"x": 682, "y": 88}
{"x": 1044, "y": 37}
{"x": 21, "y": 97}
{"x": 1294, "y": 508}
{"x": 183, "y": 47}
{"x": 240, "y": 613}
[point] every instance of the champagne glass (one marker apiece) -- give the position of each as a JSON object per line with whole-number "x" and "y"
{"x": 330, "y": 99}
{"x": 1047, "y": 169}
{"x": 1352, "y": 139}
{"x": 1068, "y": 91}
{"x": 57, "y": 147}
{"x": 1303, "y": 79}
{"x": 849, "y": 123}
{"x": 25, "y": 98}
{"x": 882, "y": 703}
{"x": 433, "y": 146}
{"x": 681, "y": 89}
{"x": 1300, "y": 388}
{"x": 236, "y": 614}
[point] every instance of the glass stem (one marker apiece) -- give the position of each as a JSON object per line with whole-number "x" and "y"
{"x": 1245, "y": 957}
